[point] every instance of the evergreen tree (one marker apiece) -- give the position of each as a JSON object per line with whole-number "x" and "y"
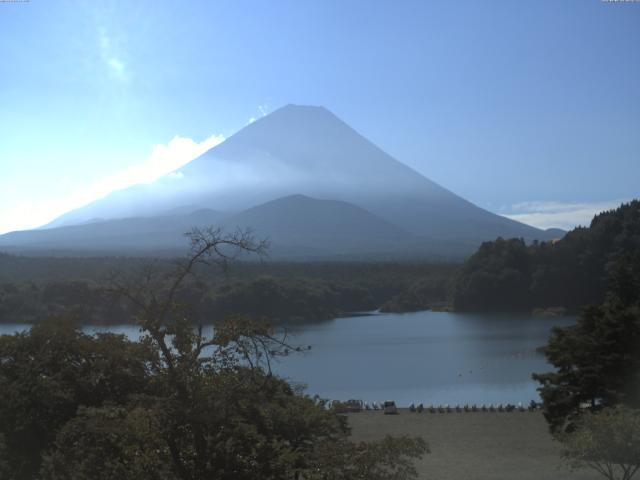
{"x": 598, "y": 359}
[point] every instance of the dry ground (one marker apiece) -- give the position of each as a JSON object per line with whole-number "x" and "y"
{"x": 475, "y": 446}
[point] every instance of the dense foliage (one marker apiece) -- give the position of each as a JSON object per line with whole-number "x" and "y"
{"x": 606, "y": 441}
{"x": 277, "y": 292}
{"x": 571, "y": 272}
{"x": 598, "y": 359}
{"x": 85, "y": 407}
{"x": 429, "y": 293}
{"x": 289, "y": 300}
{"x": 48, "y": 373}
{"x": 178, "y": 404}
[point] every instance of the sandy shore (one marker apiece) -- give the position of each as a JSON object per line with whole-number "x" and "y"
{"x": 475, "y": 446}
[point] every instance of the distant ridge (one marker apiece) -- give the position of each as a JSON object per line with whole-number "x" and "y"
{"x": 305, "y": 226}
{"x": 117, "y": 235}
{"x": 324, "y": 226}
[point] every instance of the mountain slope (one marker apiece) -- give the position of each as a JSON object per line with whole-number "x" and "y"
{"x": 297, "y": 226}
{"x": 111, "y": 236}
{"x": 309, "y": 151}
{"x": 320, "y": 226}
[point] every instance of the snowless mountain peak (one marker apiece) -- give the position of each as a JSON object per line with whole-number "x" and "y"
{"x": 307, "y": 150}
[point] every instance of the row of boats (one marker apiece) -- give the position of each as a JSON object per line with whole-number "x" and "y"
{"x": 390, "y": 407}
{"x": 500, "y": 407}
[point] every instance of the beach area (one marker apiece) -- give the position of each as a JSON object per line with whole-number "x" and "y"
{"x": 475, "y": 446}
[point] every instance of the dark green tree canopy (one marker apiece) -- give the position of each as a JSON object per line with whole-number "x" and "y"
{"x": 47, "y": 373}
{"x": 571, "y": 272}
{"x": 598, "y": 359}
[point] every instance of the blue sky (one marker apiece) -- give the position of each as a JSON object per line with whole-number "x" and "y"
{"x": 528, "y": 108}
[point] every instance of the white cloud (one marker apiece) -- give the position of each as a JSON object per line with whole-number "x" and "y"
{"x": 263, "y": 109}
{"x": 557, "y": 214}
{"x": 117, "y": 66}
{"x": 111, "y": 58}
{"x": 164, "y": 159}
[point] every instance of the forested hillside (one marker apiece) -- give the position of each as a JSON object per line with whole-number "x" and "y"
{"x": 571, "y": 272}
{"x": 33, "y": 289}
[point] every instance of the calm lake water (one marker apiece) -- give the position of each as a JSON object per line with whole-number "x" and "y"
{"x": 423, "y": 357}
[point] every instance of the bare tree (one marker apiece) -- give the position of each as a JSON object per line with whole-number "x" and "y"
{"x": 190, "y": 358}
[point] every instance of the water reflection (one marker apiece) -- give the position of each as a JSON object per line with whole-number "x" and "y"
{"x": 430, "y": 357}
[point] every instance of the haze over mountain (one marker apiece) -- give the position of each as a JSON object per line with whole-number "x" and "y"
{"x": 300, "y": 176}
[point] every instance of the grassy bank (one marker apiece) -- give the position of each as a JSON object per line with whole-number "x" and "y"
{"x": 475, "y": 446}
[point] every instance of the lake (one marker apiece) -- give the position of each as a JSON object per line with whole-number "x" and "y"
{"x": 424, "y": 357}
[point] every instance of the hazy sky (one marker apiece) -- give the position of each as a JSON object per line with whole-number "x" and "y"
{"x": 528, "y": 108}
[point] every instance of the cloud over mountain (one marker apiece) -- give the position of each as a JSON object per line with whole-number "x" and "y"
{"x": 557, "y": 214}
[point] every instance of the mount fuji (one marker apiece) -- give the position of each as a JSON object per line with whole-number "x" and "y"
{"x": 300, "y": 176}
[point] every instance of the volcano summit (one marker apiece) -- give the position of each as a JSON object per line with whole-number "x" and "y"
{"x": 300, "y": 176}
